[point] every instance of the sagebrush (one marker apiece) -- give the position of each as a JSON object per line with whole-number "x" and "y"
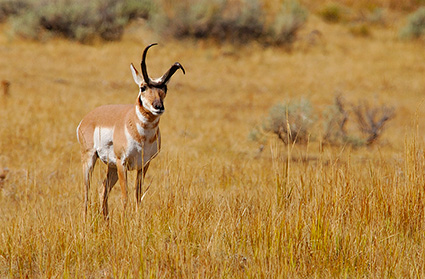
{"x": 415, "y": 27}
{"x": 223, "y": 20}
{"x": 343, "y": 123}
{"x": 77, "y": 20}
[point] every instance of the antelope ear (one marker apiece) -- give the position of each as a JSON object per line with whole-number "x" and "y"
{"x": 137, "y": 78}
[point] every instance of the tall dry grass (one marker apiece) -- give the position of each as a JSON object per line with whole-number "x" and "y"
{"x": 215, "y": 208}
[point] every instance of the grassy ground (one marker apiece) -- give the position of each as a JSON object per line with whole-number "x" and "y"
{"x": 216, "y": 207}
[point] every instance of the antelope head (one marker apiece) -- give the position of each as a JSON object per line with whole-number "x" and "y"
{"x": 152, "y": 91}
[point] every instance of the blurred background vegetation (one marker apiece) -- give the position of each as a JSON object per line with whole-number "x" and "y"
{"x": 275, "y": 23}
{"x": 235, "y": 21}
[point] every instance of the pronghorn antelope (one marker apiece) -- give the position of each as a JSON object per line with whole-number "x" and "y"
{"x": 125, "y": 137}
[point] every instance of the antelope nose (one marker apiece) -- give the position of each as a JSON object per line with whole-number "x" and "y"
{"x": 158, "y": 105}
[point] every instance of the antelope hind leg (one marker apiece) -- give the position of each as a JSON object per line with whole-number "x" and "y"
{"x": 89, "y": 160}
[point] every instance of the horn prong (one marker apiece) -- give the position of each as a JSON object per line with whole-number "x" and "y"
{"x": 164, "y": 79}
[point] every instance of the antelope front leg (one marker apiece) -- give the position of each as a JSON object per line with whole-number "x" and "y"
{"x": 122, "y": 178}
{"x": 139, "y": 183}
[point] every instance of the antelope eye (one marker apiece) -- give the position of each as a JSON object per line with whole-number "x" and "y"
{"x": 143, "y": 88}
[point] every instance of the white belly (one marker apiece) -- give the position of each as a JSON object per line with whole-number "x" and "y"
{"x": 137, "y": 154}
{"x": 103, "y": 145}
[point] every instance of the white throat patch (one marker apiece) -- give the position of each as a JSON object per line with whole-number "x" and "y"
{"x": 140, "y": 115}
{"x": 143, "y": 119}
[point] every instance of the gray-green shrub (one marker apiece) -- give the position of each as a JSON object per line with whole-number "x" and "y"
{"x": 415, "y": 26}
{"x": 335, "y": 121}
{"x": 79, "y": 19}
{"x": 343, "y": 123}
{"x": 218, "y": 19}
{"x": 223, "y": 20}
{"x": 11, "y": 7}
{"x": 287, "y": 23}
{"x": 332, "y": 12}
{"x": 211, "y": 19}
{"x": 291, "y": 122}
{"x": 371, "y": 120}
{"x": 368, "y": 120}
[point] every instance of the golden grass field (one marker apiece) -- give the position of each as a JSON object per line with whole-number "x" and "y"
{"x": 216, "y": 207}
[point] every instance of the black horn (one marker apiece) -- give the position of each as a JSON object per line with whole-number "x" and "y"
{"x": 143, "y": 65}
{"x": 164, "y": 79}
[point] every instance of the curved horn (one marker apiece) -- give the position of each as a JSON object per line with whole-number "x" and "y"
{"x": 164, "y": 79}
{"x": 143, "y": 65}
